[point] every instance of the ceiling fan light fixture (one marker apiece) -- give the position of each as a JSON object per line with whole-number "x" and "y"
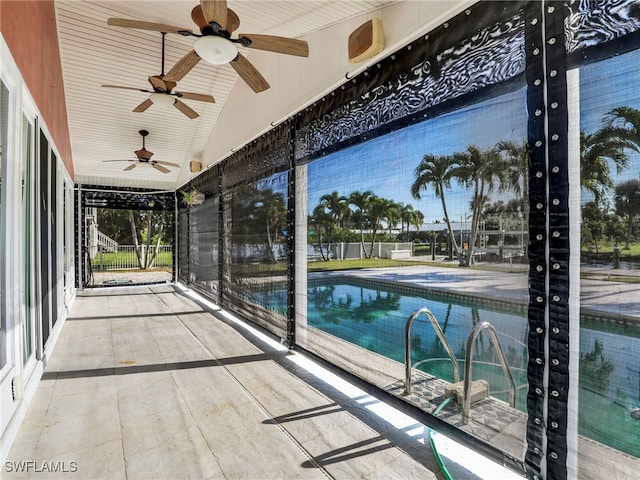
{"x": 215, "y": 50}
{"x": 162, "y": 99}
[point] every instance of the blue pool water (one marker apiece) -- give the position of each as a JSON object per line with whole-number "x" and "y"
{"x": 374, "y": 316}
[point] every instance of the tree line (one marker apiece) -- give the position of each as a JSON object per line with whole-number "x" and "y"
{"x": 336, "y": 217}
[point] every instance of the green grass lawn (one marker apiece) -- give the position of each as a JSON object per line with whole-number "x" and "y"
{"x": 607, "y": 249}
{"x": 126, "y": 260}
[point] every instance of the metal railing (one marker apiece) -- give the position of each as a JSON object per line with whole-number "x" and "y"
{"x": 407, "y": 347}
{"x": 125, "y": 258}
{"x": 466, "y": 409}
{"x": 108, "y": 243}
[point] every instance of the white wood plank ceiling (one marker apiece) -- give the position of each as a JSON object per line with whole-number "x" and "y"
{"x": 102, "y": 124}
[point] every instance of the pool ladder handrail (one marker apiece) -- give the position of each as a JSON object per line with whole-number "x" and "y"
{"x": 407, "y": 346}
{"x": 468, "y": 361}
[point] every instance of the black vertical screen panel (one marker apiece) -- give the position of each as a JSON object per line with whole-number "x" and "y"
{"x": 291, "y": 229}
{"x": 537, "y": 244}
{"x": 76, "y": 239}
{"x": 255, "y": 252}
{"x": 43, "y": 194}
{"x": 558, "y": 208}
{"x": 199, "y": 237}
{"x": 183, "y": 245}
{"x": 203, "y": 247}
{"x": 254, "y": 180}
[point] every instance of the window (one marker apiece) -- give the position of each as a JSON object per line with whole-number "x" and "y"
{"x": 4, "y": 113}
{"x": 27, "y": 239}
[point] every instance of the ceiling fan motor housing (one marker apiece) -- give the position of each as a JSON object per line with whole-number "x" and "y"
{"x": 144, "y": 154}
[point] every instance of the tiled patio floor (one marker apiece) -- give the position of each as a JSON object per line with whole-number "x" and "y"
{"x": 146, "y": 383}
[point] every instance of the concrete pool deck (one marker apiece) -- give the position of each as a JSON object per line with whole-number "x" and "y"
{"x": 599, "y": 290}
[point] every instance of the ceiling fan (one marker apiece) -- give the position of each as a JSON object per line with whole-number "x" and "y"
{"x": 215, "y": 45}
{"x": 144, "y": 156}
{"x": 162, "y": 93}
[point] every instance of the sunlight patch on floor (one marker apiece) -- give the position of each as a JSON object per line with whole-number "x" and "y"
{"x": 457, "y": 457}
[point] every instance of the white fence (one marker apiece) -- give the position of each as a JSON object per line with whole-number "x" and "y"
{"x": 124, "y": 257}
{"x": 339, "y": 251}
{"x": 344, "y": 251}
{"x": 108, "y": 243}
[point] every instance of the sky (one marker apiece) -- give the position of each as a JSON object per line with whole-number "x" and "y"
{"x": 385, "y": 165}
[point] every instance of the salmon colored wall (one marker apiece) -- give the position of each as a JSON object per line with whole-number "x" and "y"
{"x": 29, "y": 29}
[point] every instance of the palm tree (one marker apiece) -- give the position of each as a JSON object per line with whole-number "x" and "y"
{"x": 392, "y": 215}
{"x": 595, "y": 152}
{"x": 275, "y": 217}
{"x": 323, "y": 224}
{"x": 405, "y": 212}
{"x": 437, "y": 171}
{"x": 516, "y": 163}
{"x": 337, "y": 206}
{"x": 416, "y": 220}
{"x": 360, "y": 200}
{"x": 516, "y": 178}
{"x": 379, "y": 209}
{"x": 593, "y": 222}
{"x": 409, "y": 216}
{"x": 627, "y": 201}
{"x": 622, "y": 125}
{"x": 480, "y": 170}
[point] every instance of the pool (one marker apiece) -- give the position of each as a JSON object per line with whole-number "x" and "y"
{"x": 373, "y": 316}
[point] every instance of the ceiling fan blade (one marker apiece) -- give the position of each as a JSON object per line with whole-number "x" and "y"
{"x": 157, "y": 83}
{"x": 143, "y": 106}
{"x": 128, "y": 88}
{"x": 161, "y": 162}
{"x": 233, "y": 22}
{"x": 215, "y": 11}
{"x": 272, "y": 43}
{"x": 198, "y": 17}
{"x": 156, "y": 27}
{"x": 130, "y": 167}
{"x": 182, "y": 67}
{"x": 201, "y": 97}
{"x": 118, "y": 160}
{"x": 249, "y": 73}
{"x": 186, "y": 109}
{"x": 160, "y": 167}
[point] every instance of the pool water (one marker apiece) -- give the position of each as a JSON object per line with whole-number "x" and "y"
{"x": 374, "y": 317}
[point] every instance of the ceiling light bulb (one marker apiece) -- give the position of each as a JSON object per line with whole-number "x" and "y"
{"x": 215, "y": 50}
{"x": 162, "y": 99}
